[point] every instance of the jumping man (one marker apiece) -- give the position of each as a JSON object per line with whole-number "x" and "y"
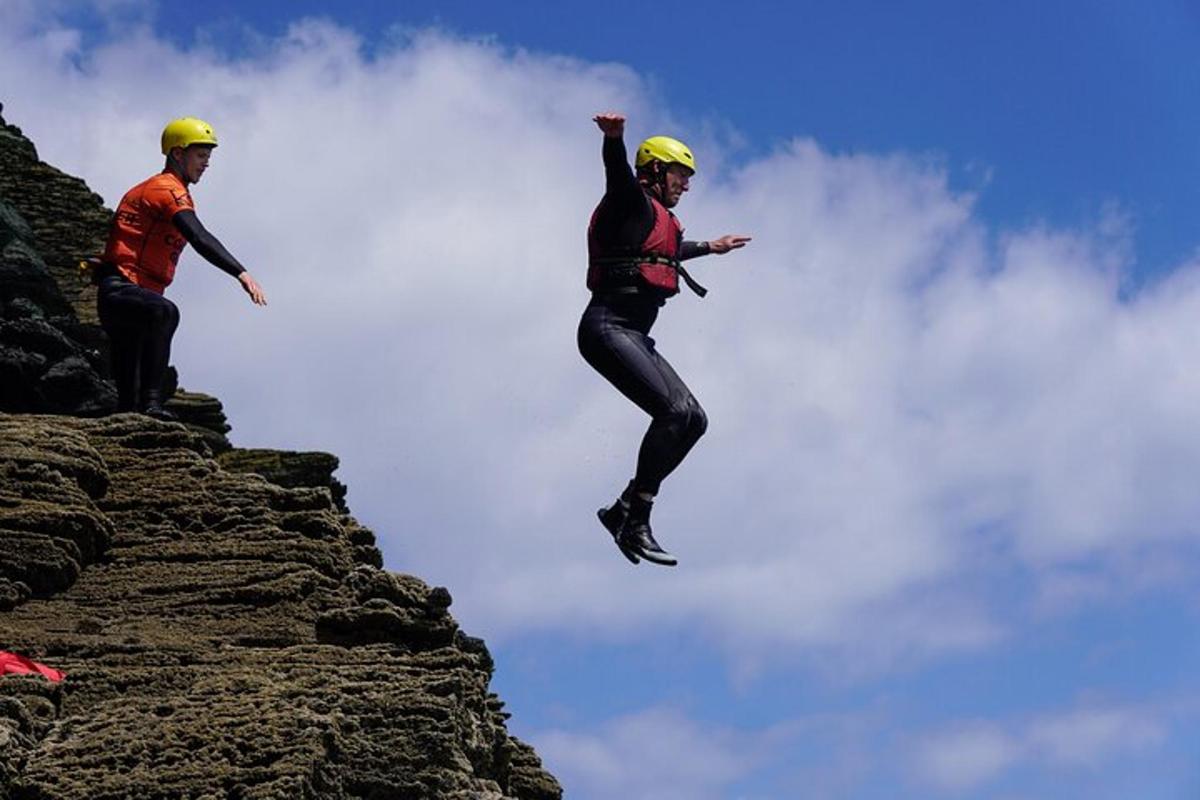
{"x": 635, "y": 246}
{"x": 154, "y": 222}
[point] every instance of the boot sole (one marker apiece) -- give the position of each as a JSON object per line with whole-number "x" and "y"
{"x": 662, "y": 560}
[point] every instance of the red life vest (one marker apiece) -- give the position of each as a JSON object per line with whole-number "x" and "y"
{"x": 13, "y": 664}
{"x": 655, "y": 263}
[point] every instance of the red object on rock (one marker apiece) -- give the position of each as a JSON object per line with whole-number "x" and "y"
{"x": 13, "y": 664}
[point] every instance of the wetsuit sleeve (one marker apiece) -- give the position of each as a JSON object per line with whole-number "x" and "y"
{"x": 623, "y": 194}
{"x": 624, "y": 217}
{"x": 207, "y": 245}
{"x": 693, "y": 249}
{"x": 619, "y": 178}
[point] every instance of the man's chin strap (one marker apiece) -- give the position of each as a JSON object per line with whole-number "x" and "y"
{"x": 176, "y": 166}
{"x": 655, "y": 179}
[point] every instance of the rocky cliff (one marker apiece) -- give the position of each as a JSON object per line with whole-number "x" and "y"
{"x": 224, "y": 622}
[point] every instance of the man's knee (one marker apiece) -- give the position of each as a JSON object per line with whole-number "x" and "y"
{"x": 164, "y": 314}
{"x": 688, "y": 418}
{"x": 697, "y": 419}
{"x": 172, "y": 315}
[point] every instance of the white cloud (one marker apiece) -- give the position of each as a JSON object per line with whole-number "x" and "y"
{"x": 966, "y": 756}
{"x": 904, "y": 404}
{"x": 662, "y": 752}
{"x": 1089, "y": 736}
{"x": 658, "y": 754}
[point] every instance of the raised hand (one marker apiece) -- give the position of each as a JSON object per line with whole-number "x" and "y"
{"x": 612, "y": 123}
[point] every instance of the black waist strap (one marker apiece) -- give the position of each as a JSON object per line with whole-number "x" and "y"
{"x": 691, "y": 282}
{"x": 95, "y": 269}
{"x": 106, "y": 270}
{"x": 627, "y": 266}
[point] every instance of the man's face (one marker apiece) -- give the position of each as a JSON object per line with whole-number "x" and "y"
{"x": 678, "y": 177}
{"x": 194, "y": 160}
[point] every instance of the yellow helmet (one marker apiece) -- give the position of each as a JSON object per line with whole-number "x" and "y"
{"x": 185, "y": 131}
{"x": 666, "y": 150}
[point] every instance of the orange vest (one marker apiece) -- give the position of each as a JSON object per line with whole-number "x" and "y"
{"x": 143, "y": 243}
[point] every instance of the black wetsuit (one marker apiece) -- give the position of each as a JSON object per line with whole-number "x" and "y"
{"x": 614, "y": 332}
{"x": 141, "y": 323}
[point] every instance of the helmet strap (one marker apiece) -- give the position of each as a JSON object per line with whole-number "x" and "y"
{"x": 654, "y": 177}
{"x": 175, "y": 165}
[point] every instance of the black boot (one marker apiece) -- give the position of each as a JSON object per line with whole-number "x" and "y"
{"x": 637, "y": 535}
{"x": 152, "y": 407}
{"x": 613, "y": 518}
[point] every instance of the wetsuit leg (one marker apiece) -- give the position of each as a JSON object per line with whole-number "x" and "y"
{"x": 126, "y": 349}
{"x": 140, "y": 325}
{"x": 614, "y": 339}
{"x": 156, "y": 354}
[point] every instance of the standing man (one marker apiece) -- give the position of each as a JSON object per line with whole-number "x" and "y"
{"x": 154, "y": 222}
{"x": 635, "y": 246}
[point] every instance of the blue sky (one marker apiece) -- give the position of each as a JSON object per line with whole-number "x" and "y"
{"x": 1060, "y": 107}
{"x": 940, "y": 539}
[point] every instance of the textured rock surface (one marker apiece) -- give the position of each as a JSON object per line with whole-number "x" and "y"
{"x": 50, "y": 527}
{"x": 224, "y": 622}
{"x": 228, "y": 636}
{"x": 289, "y": 469}
{"x": 204, "y": 415}
{"x": 53, "y": 358}
{"x": 67, "y": 220}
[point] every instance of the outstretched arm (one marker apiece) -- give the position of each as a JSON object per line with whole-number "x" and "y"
{"x": 620, "y": 183}
{"x": 208, "y": 246}
{"x": 717, "y": 246}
